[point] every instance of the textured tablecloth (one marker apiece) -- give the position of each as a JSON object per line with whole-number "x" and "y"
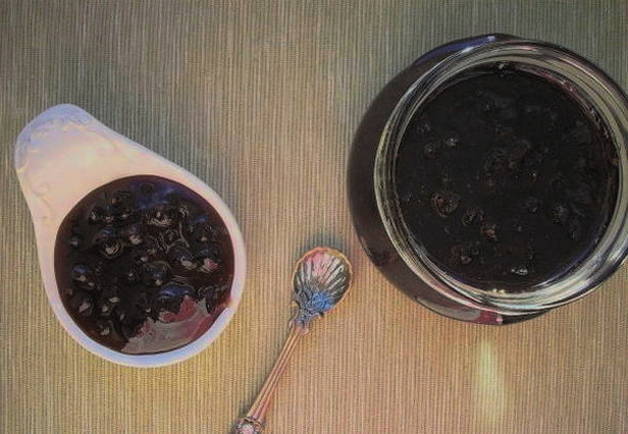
{"x": 261, "y": 100}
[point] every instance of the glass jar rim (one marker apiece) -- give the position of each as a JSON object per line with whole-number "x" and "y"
{"x": 584, "y": 81}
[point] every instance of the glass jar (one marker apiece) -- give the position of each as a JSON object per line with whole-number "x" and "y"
{"x": 374, "y": 207}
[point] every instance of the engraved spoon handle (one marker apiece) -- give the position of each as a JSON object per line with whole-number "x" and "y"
{"x": 254, "y": 420}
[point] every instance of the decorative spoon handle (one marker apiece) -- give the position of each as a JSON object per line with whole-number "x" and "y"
{"x": 254, "y": 420}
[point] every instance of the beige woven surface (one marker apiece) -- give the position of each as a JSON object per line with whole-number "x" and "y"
{"x": 260, "y": 100}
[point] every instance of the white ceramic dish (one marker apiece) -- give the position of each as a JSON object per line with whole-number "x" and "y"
{"x": 65, "y": 153}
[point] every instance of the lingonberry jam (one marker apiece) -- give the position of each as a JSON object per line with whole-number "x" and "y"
{"x": 143, "y": 265}
{"x": 504, "y": 180}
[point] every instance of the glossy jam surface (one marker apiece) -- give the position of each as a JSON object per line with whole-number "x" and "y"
{"x": 504, "y": 181}
{"x": 143, "y": 265}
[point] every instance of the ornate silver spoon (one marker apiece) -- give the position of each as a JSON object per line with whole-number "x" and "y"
{"x": 321, "y": 280}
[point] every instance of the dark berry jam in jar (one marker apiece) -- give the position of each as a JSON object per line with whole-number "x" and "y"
{"x": 143, "y": 265}
{"x": 488, "y": 180}
{"x": 504, "y": 180}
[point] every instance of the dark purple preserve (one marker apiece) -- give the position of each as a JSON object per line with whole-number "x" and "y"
{"x": 504, "y": 180}
{"x": 143, "y": 265}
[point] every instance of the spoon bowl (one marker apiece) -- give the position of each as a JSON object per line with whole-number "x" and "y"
{"x": 322, "y": 279}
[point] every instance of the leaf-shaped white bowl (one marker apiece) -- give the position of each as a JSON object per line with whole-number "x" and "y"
{"x": 65, "y": 153}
